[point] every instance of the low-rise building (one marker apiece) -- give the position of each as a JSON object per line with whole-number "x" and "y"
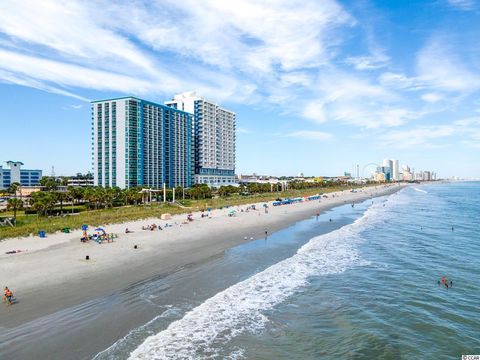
{"x": 80, "y": 180}
{"x": 15, "y": 174}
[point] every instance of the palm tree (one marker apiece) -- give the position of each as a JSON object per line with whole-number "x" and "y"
{"x": 64, "y": 180}
{"x": 13, "y": 189}
{"x": 49, "y": 183}
{"x": 14, "y": 204}
{"x": 42, "y": 202}
{"x": 60, "y": 197}
{"x": 77, "y": 193}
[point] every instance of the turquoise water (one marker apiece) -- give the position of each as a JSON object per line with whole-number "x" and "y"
{"x": 365, "y": 291}
{"x": 393, "y": 307}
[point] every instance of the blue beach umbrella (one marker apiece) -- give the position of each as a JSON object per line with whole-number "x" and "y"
{"x": 100, "y": 229}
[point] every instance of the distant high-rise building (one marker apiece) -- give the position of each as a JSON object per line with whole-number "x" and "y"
{"x": 406, "y": 173}
{"x": 214, "y": 140}
{"x": 395, "y": 172}
{"x": 138, "y": 142}
{"x": 386, "y": 171}
{"x": 426, "y": 176}
{"x": 15, "y": 174}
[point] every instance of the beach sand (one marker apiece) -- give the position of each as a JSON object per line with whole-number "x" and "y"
{"x": 51, "y": 273}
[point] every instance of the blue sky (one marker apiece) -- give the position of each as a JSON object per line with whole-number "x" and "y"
{"x": 317, "y": 85}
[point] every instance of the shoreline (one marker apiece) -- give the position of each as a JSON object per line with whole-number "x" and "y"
{"x": 58, "y": 266}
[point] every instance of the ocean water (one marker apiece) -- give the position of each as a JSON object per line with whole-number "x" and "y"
{"x": 368, "y": 290}
{"x": 362, "y": 286}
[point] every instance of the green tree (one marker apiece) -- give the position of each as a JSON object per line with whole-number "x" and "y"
{"x": 225, "y": 191}
{"x": 77, "y": 193}
{"x": 64, "y": 180}
{"x": 200, "y": 191}
{"x": 178, "y": 192}
{"x": 14, "y": 204}
{"x": 13, "y": 188}
{"x": 49, "y": 183}
{"x": 43, "y": 202}
{"x": 60, "y": 197}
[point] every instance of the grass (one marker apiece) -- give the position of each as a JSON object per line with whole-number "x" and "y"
{"x": 31, "y": 224}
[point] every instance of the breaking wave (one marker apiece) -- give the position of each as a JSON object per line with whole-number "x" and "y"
{"x": 204, "y": 330}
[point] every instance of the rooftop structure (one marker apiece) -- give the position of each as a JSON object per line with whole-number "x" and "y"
{"x": 214, "y": 140}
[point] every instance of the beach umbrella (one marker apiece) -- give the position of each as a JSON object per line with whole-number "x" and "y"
{"x": 100, "y": 229}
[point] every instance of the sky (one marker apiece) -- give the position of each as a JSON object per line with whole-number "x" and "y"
{"x": 318, "y": 86}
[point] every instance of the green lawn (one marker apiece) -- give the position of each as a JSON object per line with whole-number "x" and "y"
{"x": 31, "y": 224}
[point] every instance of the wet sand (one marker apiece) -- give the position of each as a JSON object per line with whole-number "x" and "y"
{"x": 52, "y": 274}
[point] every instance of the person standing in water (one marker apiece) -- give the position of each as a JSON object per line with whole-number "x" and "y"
{"x": 444, "y": 281}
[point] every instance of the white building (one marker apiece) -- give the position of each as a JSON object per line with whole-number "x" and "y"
{"x": 81, "y": 181}
{"x": 214, "y": 139}
{"x": 395, "y": 170}
{"x": 15, "y": 174}
{"x": 137, "y": 142}
{"x": 406, "y": 173}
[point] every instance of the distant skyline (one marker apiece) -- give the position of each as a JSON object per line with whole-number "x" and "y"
{"x": 318, "y": 86}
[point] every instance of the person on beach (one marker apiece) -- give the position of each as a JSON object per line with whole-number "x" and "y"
{"x": 8, "y": 296}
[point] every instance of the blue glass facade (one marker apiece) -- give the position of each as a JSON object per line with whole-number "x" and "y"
{"x": 155, "y": 144}
{"x": 387, "y": 171}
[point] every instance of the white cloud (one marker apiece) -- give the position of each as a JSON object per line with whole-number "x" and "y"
{"x": 70, "y": 28}
{"x": 371, "y": 62}
{"x": 251, "y": 35}
{"x": 440, "y": 68}
{"x": 467, "y": 129}
{"x": 314, "y": 111}
{"x": 19, "y": 79}
{"x": 217, "y": 48}
{"x": 281, "y": 53}
{"x": 400, "y": 81}
{"x": 241, "y": 130}
{"x": 310, "y": 135}
{"x": 64, "y": 74}
{"x": 462, "y": 4}
{"x": 415, "y": 137}
{"x": 467, "y": 122}
{"x": 354, "y": 99}
{"x": 431, "y": 97}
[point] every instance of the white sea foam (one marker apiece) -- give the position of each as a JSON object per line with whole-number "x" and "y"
{"x": 241, "y": 307}
{"x": 420, "y": 190}
{"x": 140, "y": 331}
